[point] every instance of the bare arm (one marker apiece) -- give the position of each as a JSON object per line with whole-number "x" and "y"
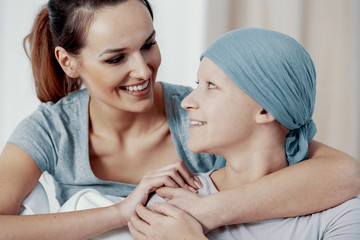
{"x": 327, "y": 179}
{"x": 19, "y": 174}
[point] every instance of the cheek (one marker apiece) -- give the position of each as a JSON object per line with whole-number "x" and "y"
{"x": 102, "y": 77}
{"x": 154, "y": 58}
{"x": 231, "y": 121}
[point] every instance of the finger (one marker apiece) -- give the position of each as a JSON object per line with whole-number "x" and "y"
{"x": 137, "y": 235}
{"x": 151, "y": 183}
{"x": 138, "y": 223}
{"x": 166, "y": 192}
{"x": 174, "y": 176}
{"x": 167, "y": 209}
{"x": 185, "y": 173}
{"x": 188, "y": 176}
{"x": 169, "y": 181}
{"x": 148, "y": 215}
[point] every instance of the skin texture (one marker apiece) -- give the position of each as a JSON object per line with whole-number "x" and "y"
{"x": 254, "y": 153}
{"x": 160, "y": 219}
{"x": 129, "y": 134}
{"x": 118, "y": 120}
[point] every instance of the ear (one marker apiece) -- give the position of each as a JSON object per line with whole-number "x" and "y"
{"x": 264, "y": 117}
{"x": 68, "y": 63}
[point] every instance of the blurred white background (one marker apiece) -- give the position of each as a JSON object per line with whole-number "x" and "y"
{"x": 328, "y": 29}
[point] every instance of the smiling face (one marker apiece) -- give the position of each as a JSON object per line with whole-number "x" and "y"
{"x": 222, "y": 115}
{"x": 120, "y": 59}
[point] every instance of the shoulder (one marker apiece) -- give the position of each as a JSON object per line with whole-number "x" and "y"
{"x": 69, "y": 109}
{"x": 352, "y": 205}
{"x": 51, "y": 126}
{"x": 180, "y": 91}
{"x": 75, "y": 103}
{"x": 343, "y": 221}
{"x": 347, "y": 212}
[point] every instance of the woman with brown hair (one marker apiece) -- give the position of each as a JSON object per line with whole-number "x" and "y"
{"x": 122, "y": 126}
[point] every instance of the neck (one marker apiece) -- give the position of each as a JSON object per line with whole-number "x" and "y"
{"x": 109, "y": 123}
{"x": 251, "y": 160}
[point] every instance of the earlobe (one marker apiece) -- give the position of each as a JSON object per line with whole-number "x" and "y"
{"x": 68, "y": 63}
{"x": 264, "y": 117}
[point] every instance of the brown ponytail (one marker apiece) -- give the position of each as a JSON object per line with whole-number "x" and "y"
{"x": 51, "y": 83}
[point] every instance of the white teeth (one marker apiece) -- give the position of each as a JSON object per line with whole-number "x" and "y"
{"x": 138, "y": 88}
{"x": 197, "y": 123}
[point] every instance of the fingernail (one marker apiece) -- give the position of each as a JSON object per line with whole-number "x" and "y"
{"x": 192, "y": 189}
{"x": 197, "y": 182}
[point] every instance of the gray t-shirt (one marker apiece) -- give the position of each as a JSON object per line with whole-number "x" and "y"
{"x": 56, "y": 137}
{"x": 338, "y": 223}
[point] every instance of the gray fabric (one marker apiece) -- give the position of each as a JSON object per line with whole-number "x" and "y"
{"x": 56, "y": 137}
{"x": 338, "y": 223}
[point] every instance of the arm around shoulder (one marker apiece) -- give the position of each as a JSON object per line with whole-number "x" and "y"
{"x": 343, "y": 166}
{"x": 328, "y": 178}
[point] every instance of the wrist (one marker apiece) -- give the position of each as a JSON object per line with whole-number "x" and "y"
{"x": 118, "y": 215}
{"x": 202, "y": 210}
{"x": 213, "y": 205}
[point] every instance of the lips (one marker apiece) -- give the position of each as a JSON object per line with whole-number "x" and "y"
{"x": 136, "y": 88}
{"x": 197, "y": 123}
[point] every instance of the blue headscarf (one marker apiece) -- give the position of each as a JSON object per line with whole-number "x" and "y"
{"x": 278, "y": 73}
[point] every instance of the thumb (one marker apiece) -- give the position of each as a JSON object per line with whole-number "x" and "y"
{"x": 167, "y": 192}
{"x": 167, "y": 209}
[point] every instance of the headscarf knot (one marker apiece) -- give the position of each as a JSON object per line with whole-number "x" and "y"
{"x": 297, "y": 141}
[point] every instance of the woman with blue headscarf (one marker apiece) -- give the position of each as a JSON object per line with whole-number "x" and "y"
{"x": 253, "y": 105}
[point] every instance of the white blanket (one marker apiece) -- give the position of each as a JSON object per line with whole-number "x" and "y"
{"x": 38, "y": 202}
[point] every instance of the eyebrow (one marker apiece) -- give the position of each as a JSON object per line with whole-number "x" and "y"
{"x": 116, "y": 50}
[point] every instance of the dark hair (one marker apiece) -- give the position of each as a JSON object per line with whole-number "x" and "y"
{"x": 60, "y": 23}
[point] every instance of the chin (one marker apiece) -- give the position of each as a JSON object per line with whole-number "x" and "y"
{"x": 144, "y": 108}
{"x": 196, "y": 148}
{"x": 143, "y": 105}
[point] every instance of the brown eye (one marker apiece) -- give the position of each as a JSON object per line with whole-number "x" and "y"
{"x": 148, "y": 46}
{"x": 115, "y": 59}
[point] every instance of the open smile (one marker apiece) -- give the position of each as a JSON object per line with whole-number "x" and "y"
{"x": 138, "y": 90}
{"x": 197, "y": 123}
{"x": 134, "y": 88}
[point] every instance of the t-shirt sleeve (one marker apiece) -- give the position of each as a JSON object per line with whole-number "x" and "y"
{"x": 345, "y": 224}
{"x": 35, "y": 135}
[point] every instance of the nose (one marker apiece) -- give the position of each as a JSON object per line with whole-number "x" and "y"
{"x": 139, "y": 67}
{"x": 189, "y": 102}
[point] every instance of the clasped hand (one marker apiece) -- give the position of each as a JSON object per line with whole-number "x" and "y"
{"x": 175, "y": 175}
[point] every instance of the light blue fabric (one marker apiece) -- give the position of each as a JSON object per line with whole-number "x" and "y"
{"x": 278, "y": 73}
{"x": 56, "y": 137}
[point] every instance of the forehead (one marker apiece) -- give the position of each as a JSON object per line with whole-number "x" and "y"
{"x": 210, "y": 71}
{"x": 120, "y": 25}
